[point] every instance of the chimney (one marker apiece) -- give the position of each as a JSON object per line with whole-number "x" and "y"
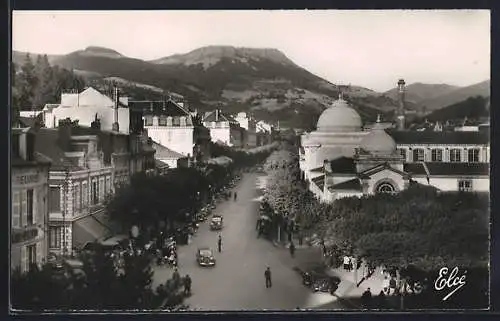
{"x": 116, "y": 127}
{"x": 400, "y": 115}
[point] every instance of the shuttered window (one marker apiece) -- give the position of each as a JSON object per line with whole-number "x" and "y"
{"x": 29, "y": 207}
{"x": 16, "y": 210}
{"x": 22, "y": 219}
{"x": 55, "y": 199}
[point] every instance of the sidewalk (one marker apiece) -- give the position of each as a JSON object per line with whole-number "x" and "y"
{"x": 351, "y": 287}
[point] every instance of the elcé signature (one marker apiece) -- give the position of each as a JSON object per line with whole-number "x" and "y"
{"x": 450, "y": 281}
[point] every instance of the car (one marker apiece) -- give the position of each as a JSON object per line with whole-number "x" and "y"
{"x": 217, "y": 222}
{"x": 205, "y": 257}
{"x": 320, "y": 282}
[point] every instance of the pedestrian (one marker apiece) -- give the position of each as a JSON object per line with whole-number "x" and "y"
{"x": 267, "y": 274}
{"x": 187, "y": 285}
{"x": 347, "y": 263}
{"x": 292, "y": 249}
{"x": 386, "y": 284}
{"x": 219, "y": 243}
{"x": 381, "y": 300}
{"x": 176, "y": 277}
{"x": 235, "y": 196}
{"x": 366, "y": 298}
{"x": 392, "y": 285}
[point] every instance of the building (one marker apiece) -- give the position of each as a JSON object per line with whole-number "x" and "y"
{"x": 340, "y": 159}
{"x": 263, "y": 133}
{"x": 88, "y": 105}
{"x": 224, "y": 129}
{"x": 169, "y": 157}
{"x": 171, "y": 125}
{"x": 250, "y": 133}
{"x": 29, "y": 195}
{"x": 79, "y": 181}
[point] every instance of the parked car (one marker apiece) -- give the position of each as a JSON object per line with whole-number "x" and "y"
{"x": 319, "y": 281}
{"x": 205, "y": 257}
{"x": 217, "y": 222}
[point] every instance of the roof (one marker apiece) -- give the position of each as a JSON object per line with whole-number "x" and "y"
{"x": 319, "y": 181}
{"x": 448, "y": 169}
{"x": 343, "y": 165}
{"x": 352, "y": 185}
{"x": 160, "y": 107}
{"x": 317, "y": 170}
{"x": 211, "y": 116}
{"x": 40, "y": 159}
{"x": 444, "y": 137}
{"x": 27, "y": 121}
{"x": 47, "y": 143}
{"x": 165, "y": 152}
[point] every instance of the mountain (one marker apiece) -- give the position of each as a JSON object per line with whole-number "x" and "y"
{"x": 261, "y": 81}
{"x": 471, "y": 108}
{"x": 418, "y": 92}
{"x": 458, "y": 95}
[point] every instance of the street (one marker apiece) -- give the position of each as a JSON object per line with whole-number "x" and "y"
{"x": 237, "y": 281}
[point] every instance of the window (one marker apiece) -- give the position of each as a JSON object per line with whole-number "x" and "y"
{"x": 162, "y": 121}
{"x": 169, "y": 121}
{"x": 183, "y": 121}
{"x": 176, "y": 121}
{"x": 101, "y": 189}
{"x": 473, "y": 155}
{"x": 55, "y": 199}
{"x": 31, "y": 251}
{"x": 16, "y": 210}
{"x": 402, "y": 151}
{"x": 29, "y": 208}
{"x": 76, "y": 198}
{"x": 455, "y": 155}
{"x": 385, "y": 188}
{"x": 55, "y": 233}
{"x": 437, "y": 155}
{"x": 465, "y": 185}
{"x": 22, "y": 217}
{"x": 418, "y": 155}
{"x": 94, "y": 193}
{"x": 108, "y": 184}
{"x": 148, "y": 120}
{"x": 85, "y": 198}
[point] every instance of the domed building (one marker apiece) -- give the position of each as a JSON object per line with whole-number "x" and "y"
{"x": 343, "y": 158}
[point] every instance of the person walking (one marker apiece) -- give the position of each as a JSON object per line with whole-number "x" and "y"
{"x": 219, "y": 243}
{"x": 366, "y": 298}
{"x": 176, "y": 277}
{"x": 381, "y": 300}
{"x": 267, "y": 274}
{"x": 292, "y": 249}
{"x": 235, "y": 196}
{"x": 187, "y": 285}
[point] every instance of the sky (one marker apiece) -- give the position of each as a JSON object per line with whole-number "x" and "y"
{"x": 372, "y": 49}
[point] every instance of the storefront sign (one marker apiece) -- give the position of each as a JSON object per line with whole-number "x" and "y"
{"x": 22, "y": 236}
{"x": 27, "y": 179}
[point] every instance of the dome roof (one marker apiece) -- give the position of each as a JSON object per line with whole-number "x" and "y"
{"x": 378, "y": 142}
{"x": 339, "y": 117}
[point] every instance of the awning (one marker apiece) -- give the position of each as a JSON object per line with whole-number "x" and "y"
{"x": 88, "y": 230}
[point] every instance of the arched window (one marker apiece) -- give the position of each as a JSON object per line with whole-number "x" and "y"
{"x": 385, "y": 187}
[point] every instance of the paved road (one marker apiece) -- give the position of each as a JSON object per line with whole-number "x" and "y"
{"x": 237, "y": 281}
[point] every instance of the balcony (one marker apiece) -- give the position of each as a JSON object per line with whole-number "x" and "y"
{"x": 23, "y": 235}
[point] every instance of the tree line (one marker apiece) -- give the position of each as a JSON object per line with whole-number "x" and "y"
{"x": 37, "y": 83}
{"x": 415, "y": 232}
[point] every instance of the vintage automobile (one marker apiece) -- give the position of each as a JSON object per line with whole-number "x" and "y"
{"x": 205, "y": 257}
{"x": 320, "y": 282}
{"x": 216, "y": 223}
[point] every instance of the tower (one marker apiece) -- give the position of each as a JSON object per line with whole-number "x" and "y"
{"x": 115, "y": 126}
{"x": 400, "y": 114}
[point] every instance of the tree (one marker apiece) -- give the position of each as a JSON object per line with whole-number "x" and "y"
{"x": 43, "y": 72}
{"x": 26, "y": 83}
